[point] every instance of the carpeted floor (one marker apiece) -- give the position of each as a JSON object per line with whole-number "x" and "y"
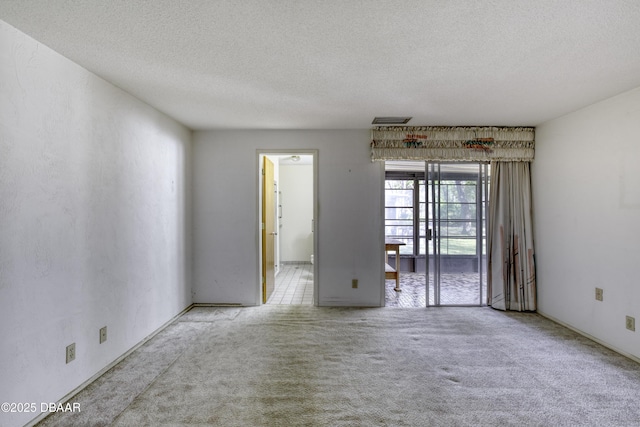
{"x": 285, "y": 365}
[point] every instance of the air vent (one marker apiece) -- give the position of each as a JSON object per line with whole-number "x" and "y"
{"x": 390, "y": 120}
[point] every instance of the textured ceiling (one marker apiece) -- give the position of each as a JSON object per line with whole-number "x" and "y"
{"x": 309, "y": 64}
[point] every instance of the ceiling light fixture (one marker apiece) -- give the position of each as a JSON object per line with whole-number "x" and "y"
{"x": 391, "y": 120}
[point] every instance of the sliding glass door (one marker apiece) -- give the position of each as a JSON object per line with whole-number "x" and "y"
{"x": 437, "y": 212}
{"x": 456, "y": 203}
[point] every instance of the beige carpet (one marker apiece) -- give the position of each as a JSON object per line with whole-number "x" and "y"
{"x": 309, "y": 366}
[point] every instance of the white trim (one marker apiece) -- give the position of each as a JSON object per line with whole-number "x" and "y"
{"x": 383, "y": 295}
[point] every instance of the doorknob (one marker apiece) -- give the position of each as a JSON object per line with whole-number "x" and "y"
{"x": 273, "y": 233}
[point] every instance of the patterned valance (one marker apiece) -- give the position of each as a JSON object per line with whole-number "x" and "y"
{"x": 437, "y": 143}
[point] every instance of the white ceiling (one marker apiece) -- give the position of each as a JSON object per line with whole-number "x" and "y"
{"x": 335, "y": 64}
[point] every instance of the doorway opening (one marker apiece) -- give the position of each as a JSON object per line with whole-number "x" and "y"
{"x": 435, "y": 233}
{"x": 287, "y": 213}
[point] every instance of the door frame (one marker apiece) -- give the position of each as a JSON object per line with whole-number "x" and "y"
{"x": 481, "y": 227}
{"x": 260, "y": 153}
{"x": 269, "y": 229}
{"x": 431, "y": 242}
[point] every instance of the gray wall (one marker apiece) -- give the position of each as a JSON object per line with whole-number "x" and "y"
{"x": 94, "y": 222}
{"x": 226, "y": 233}
{"x": 586, "y": 188}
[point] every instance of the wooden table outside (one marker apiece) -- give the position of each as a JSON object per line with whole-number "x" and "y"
{"x": 390, "y": 272}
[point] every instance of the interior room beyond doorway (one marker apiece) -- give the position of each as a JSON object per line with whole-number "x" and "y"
{"x": 293, "y": 229}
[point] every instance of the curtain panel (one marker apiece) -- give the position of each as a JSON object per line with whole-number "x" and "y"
{"x": 511, "y": 277}
{"x": 438, "y": 143}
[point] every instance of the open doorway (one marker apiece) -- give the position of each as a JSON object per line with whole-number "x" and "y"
{"x": 435, "y": 233}
{"x": 287, "y": 212}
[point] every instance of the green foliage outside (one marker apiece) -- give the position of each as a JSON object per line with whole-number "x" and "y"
{"x": 457, "y": 214}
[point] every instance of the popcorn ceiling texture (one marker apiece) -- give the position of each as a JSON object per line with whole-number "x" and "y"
{"x": 336, "y": 64}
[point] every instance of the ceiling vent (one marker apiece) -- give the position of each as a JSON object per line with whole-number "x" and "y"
{"x": 391, "y": 120}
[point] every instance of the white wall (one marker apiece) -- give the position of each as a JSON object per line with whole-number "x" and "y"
{"x": 349, "y": 222}
{"x": 93, "y": 224}
{"x": 586, "y": 187}
{"x": 296, "y": 238}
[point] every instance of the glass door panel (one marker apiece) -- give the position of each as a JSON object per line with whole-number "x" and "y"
{"x": 399, "y": 212}
{"x": 456, "y": 203}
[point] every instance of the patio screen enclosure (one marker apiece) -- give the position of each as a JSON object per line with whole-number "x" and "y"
{"x": 439, "y": 211}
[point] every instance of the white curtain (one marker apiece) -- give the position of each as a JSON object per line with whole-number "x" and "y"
{"x": 511, "y": 279}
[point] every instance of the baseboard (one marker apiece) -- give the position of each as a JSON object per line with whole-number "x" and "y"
{"x": 591, "y": 337}
{"x": 214, "y": 304}
{"x": 82, "y": 386}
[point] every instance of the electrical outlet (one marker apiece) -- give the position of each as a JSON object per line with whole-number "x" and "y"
{"x": 599, "y": 293}
{"x": 354, "y": 283}
{"x": 71, "y": 352}
{"x": 103, "y": 334}
{"x": 631, "y": 323}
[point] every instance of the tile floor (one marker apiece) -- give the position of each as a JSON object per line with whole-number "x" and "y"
{"x": 294, "y": 285}
{"x": 455, "y": 289}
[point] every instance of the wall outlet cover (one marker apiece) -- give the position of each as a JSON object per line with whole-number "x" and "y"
{"x": 631, "y": 323}
{"x": 71, "y": 352}
{"x": 599, "y": 294}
